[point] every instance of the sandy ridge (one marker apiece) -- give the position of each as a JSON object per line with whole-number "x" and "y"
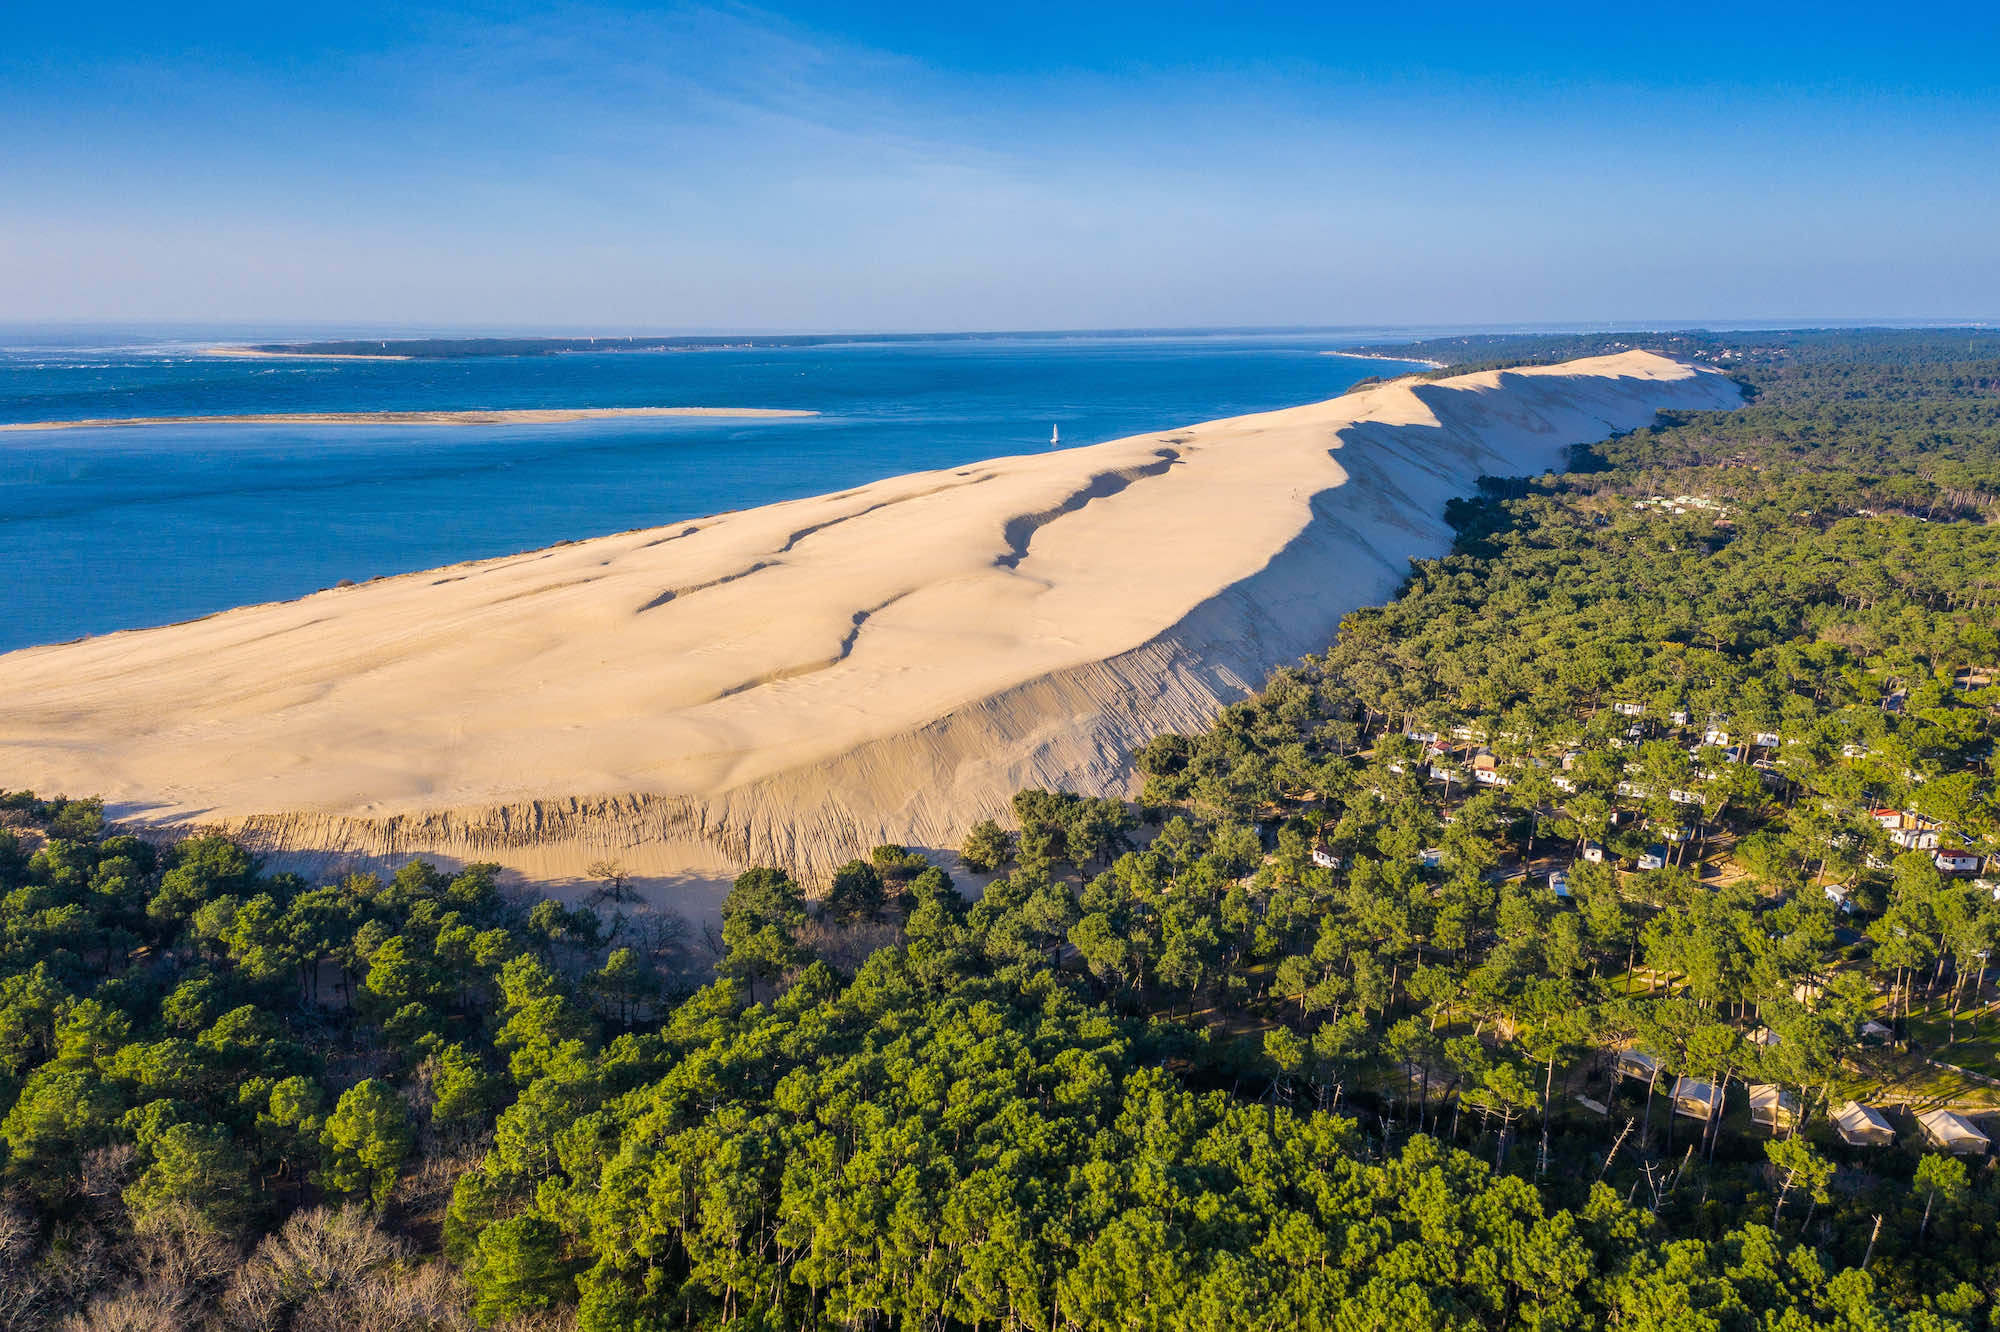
{"x": 474, "y": 416}
{"x": 795, "y": 682}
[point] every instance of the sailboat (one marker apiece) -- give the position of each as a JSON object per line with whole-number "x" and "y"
{"x": 1055, "y": 436}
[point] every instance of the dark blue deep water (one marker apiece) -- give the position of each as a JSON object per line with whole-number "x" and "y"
{"x": 104, "y": 529}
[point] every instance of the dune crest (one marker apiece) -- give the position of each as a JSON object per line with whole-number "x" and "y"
{"x": 797, "y": 682}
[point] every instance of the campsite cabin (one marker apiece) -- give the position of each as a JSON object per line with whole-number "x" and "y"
{"x": 1593, "y": 852}
{"x": 1862, "y": 1126}
{"x": 1766, "y": 739}
{"x": 1715, "y": 735}
{"x": 1765, "y": 1037}
{"x": 1773, "y": 1106}
{"x": 1837, "y": 893}
{"x": 1680, "y": 717}
{"x": 1423, "y": 737}
{"x": 1696, "y": 1099}
{"x": 1953, "y": 1133}
{"x": 1957, "y": 862}
{"x": 1915, "y": 839}
{"x": 1559, "y": 884}
{"x": 1639, "y": 1065}
{"x": 1888, "y": 818}
{"x": 1430, "y": 858}
{"x": 1325, "y": 859}
{"x": 1876, "y": 1033}
{"x": 1653, "y": 858}
{"x": 1629, "y": 709}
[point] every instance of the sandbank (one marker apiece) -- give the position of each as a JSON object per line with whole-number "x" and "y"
{"x": 503, "y": 416}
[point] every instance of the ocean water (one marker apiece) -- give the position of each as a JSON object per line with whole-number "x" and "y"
{"x": 105, "y": 529}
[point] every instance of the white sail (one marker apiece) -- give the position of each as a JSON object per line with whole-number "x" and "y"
{"x": 1055, "y": 436}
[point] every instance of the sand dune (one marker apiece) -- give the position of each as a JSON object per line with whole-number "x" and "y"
{"x": 476, "y": 416}
{"x": 796, "y": 682}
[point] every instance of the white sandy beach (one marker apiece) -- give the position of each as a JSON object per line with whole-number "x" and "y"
{"x": 500, "y": 416}
{"x": 797, "y": 682}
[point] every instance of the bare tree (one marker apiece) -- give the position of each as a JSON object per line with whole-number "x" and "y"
{"x": 177, "y": 1262}
{"x": 339, "y": 1271}
{"x": 613, "y": 875}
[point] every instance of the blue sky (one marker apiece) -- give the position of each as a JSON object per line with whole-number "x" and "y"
{"x": 877, "y": 166}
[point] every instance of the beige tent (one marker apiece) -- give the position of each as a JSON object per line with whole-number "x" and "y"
{"x": 1638, "y": 1064}
{"x": 1696, "y": 1099}
{"x": 1772, "y": 1105}
{"x": 1953, "y": 1133}
{"x": 1862, "y": 1126}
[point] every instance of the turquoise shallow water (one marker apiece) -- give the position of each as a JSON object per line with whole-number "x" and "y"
{"x": 104, "y": 529}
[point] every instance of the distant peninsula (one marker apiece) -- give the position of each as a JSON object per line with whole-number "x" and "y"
{"x": 476, "y": 416}
{"x": 440, "y": 349}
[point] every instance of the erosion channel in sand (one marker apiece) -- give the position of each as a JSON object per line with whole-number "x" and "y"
{"x": 794, "y": 683}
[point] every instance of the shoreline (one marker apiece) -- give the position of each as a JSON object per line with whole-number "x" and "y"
{"x": 471, "y": 416}
{"x": 1394, "y": 360}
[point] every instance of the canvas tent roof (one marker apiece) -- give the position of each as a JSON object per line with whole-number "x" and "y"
{"x": 1862, "y": 1126}
{"x": 1771, "y": 1104}
{"x": 1695, "y": 1098}
{"x": 1953, "y": 1133}
{"x": 1637, "y": 1064}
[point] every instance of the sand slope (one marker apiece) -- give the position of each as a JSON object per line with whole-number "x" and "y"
{"x": 796, "y": 682}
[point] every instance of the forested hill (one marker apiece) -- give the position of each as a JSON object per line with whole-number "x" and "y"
{"x": 1431, "y": 988}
